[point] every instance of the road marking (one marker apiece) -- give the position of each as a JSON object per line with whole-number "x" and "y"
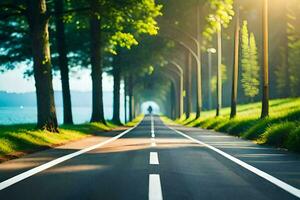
{"x": 152, "y": 125}
{"x": 153, "y": 144}
{"x": 57, "y": 161}
{"x": 155, "y": 192}
{"x": 292, "y": 190}
{"x": 153, "y": 158}
{"x": 152, "y": 135}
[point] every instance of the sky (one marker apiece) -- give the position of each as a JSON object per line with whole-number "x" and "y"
{"x": 14, "y": 81}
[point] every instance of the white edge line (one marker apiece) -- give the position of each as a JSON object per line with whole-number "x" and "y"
{"x": 56, "y": 161}
{"x": 292, "y": 190}
{"x": 155, "y": 192}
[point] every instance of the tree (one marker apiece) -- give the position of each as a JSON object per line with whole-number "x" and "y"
{"x": 265, "y": 91}
{"x": 221, "y": 15}
{"x": 250, "y": 68}
{"x": 118, "y": 23}
{"x": 38, "y": 20}
{"x": 235, "y": 69}
{"x": 63, "y": 60}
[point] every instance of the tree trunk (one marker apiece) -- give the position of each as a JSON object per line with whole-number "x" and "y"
{"x": 188, "y": 85}
{"x": 125, "y": 99}
{"x": 63, "y": 61}
{"x": 235, "y": 71}
{"x": 95, "y": 29}
{"x": 265, "y": 96}
{"x": 173, "y": 98}
{"x": 116, "y": 102}
{"x": 38, "y": 23}
{"x": 199, "y": 65}
{"x": 131, "y": 98}
{"x": 219, "y": 72}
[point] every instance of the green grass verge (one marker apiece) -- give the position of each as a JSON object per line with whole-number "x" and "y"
{"x": 135, "y": 121}
{"x": 15, "y": 140}
{"x": 281, "y": 128}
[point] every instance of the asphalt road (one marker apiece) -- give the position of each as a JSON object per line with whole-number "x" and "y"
{"x": 153, "y": 161}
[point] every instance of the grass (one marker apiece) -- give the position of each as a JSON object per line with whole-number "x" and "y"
{"x": 16, "y": 140}
{"x": 278, "y": 129}
{"x": 135, "y": 121}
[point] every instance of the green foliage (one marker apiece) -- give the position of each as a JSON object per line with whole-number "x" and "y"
{"x": 250, "y": 67}
{"x": 279, "y": 129}
{"x": 287, "y": 72}
{"x": 221, "y": 13}
{"x": 213, "y": 81}
{"x": 294, "y": 60}
{"x": 129, "y": 21}
{"x": 293, "y": 141}
{"x": 277, "y": 134}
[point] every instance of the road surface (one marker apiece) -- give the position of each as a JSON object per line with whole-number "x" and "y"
{"x": 154, "y": 161}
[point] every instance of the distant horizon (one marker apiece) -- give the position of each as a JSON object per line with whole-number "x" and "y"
{"x": 24, "y": 85}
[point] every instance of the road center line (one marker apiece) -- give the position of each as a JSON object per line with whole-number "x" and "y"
{"x": 292, "y": 190}
{"x": 152, "y": 126}
{"x": 57, "y": 161}
{"x": 153, "y": 158}
{"x": 155, "y": 192}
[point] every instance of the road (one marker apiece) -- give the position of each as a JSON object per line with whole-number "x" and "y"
{"x": 154, "y": 161}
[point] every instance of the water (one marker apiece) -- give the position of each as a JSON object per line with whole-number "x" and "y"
{"x": 20, "y": 115}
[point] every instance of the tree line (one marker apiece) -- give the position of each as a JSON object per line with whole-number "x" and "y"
{"x": 185, "y": 55}
{"x": 102, "y": 26}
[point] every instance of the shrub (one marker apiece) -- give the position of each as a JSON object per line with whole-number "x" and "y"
{"x": 278, "y": 134}
{"x": 293, "y": 141}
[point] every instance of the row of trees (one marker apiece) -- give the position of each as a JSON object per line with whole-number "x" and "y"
{"x": 252, "y": 74}
{"x": 103, "y": 26}
{"x": 170, "y": 68}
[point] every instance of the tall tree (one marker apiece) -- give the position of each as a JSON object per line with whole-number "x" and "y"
{"x": 96, "y": 61}
{"x": 116, "y": 92}
{"x": 265, "y": 28}
{"x": 63, "y": 60}
{"x": 250, "y": 68}
{"x": 38, "y": 20}
{"x": 235, "y": 69}
{"x": 221, "y": 12}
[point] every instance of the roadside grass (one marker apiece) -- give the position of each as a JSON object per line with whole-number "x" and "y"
{"x": 281, "y": 128}
{"x": 19, "y": 139}
{"x": 135, "y": 121}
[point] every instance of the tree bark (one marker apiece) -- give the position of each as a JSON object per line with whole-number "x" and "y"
{"x": 199, "y": 65}
{"x": 219, "y": 72}
{"x": 96, "y": 62}
{"x": 116, "y": 101}
{"x": 131, "y": 98}
{"x": 173, "y": 101}
{"x": 235, "y": 71}
{"x": 38, "y": 24}
{"x": 188, "y": 85}
{"x": 63, "y": 61}
{"x": 125, "y": 99}
{"x": 265, "y": 96}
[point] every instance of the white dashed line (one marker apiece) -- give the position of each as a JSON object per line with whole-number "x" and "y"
{"x": 153, "y": 158}
{"x": 155, "y": 192}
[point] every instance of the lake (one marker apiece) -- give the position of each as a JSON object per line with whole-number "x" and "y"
{"x": 20, "y": 115}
